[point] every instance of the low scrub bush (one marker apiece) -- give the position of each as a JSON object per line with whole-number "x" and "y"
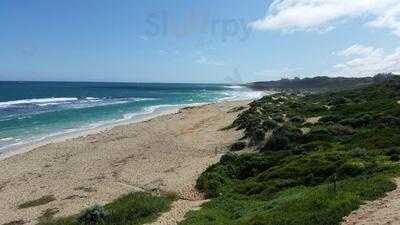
{"x": 94, "y": 215}
{"x": 330, "y": 118}
{"x": 257, "y": 137}
{"x": 318, "y": 134}
{"x": 388, "y": 121}
{"x": 297, "y": 119}
{"x": 238, "y": 146}
{"x": 340, "y": 130}
{"x": 359, "y": 152}
{"x": 336, "y": 101}
{"x": 276, "y": 142}
{"x": 352, "y": 168}
{"x": 269, "y": 124}
{"x": 278, "y": 118}
{"x": 134, "y": 209}
{"x": 359, "y": 121}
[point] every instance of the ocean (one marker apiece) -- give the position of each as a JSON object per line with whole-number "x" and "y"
{"x": 36, "y": 111}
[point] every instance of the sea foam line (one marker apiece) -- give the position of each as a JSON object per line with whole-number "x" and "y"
{"x": 36, "y": 101}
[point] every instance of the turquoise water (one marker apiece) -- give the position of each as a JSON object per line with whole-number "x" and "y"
{"x": 32, "y": 111}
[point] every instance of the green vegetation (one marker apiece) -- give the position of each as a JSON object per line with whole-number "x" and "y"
{"x": 15, "y": 222}
{"x": 41, "y": 201}
{"x": 306, "y": 173}
{"x": 132, "y": 209}
{"x": 238, "y": 146}
{"x": 320, "y": 83}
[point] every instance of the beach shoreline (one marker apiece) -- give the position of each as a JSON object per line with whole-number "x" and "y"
{"x": 65, "y": 136}
{"x": 162, "y": 153}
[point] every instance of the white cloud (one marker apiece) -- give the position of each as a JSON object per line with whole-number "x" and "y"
{"x": 292, "y": 15}
{"x": 205, "y": 61}
{"x": 364, "y": 60}
{"x": 358, "y": 50}
{"x": 390, "y": 19}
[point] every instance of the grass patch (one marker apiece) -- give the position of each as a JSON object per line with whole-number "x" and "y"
{"x": 15, "y": 222}
{"x": 37, "y": 202}
{"x": 132, "y": 209}
{"x": 320, "y": 205}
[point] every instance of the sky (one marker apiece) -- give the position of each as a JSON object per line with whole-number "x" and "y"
{"x": 199, "y": 41}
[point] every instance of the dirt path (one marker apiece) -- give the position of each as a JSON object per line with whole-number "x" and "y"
{"x": 177, "y": 212}
{"x": 379, "y": 212}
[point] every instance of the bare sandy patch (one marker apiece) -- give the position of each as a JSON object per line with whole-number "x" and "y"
{"x": 313, "y": 120}
{"x": 382, "y": 211}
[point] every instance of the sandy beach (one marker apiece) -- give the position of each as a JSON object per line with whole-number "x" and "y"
{"x": 163, "y": 154}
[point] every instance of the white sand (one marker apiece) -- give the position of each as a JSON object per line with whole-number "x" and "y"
{"x": 166, "y": 153}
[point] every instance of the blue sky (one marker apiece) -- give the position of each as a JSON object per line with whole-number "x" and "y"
{"x": 196, "y": 41}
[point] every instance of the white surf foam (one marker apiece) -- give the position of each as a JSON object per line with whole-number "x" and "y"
{"x": 36, "y": 101}
{"x": 233, "y": 87}
{"x": 6, "y": 139}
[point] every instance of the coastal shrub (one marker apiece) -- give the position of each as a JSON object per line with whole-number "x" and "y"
{"x": 359, "y": 121}
{"x": 395, "y": 157}
{"x": 307, "y": 124}
{"x": 276, "y": 142}
{"x": 250, "y": 165}
{"x": 248, "y": 121}
{"x": 336, "y": 101}
{"x": 313, "y": 109}
{"x": 352, "y": 168}
{"x": 278, "y": 118}
{"x": 211, "y": 181}
{"x": 388, "y": 121}
{"x": 330, "y": 118}
{"x": 216, "y": 176}
{"x": 310, "y": 169}
{"x": 291, "y": 132}
{"x": 281, "y": 138}
{"x": 238, "y": 146}
{"x": 257, "y": 137}
{"x": 228, "y": 158}
{"x": 359, "y": 152}
{"x": 269, "y": 124}
{"x": 317, "y": 134}
{"x": 134, "y": 209}
{"x": 312, "y": 146}
{"x": 297, "y": 119}
{"x": 94, "y": 215}
{"x": 15, "y": 222}
{"x": 340, "y": 130}
{"x": 392, "y": 151}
